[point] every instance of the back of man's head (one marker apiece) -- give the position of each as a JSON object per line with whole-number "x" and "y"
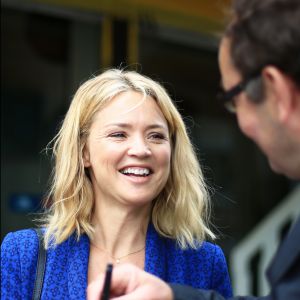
{"x": 265, "y": 32}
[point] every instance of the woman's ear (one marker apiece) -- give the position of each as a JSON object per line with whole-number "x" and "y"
{"x": 280, "y": 90}
{"x": 86, "y": 157}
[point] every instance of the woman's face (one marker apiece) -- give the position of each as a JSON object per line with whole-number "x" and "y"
{"x": 128, "y": 150}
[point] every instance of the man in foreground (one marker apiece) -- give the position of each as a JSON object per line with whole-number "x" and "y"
{"x": 260, "y": 66}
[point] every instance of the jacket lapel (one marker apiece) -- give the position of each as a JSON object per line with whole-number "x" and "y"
{"x": 287, "y": 253}
{"x": 155, "y": 255}
{"x": 77, "y": 267}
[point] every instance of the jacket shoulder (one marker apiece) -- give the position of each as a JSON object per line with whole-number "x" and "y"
{"x": 20, "y": 248}
{"x": 206, "y": 250}
{"x": 22, "y": 239}
{"x": 18, "y": 263}
{"x": 214, "y": 252}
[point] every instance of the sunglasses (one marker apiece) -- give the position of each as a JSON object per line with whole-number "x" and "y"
{"x": 228, "y": 97}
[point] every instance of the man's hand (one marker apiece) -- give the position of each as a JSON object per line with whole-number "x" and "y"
{"x": 131, "y": 283}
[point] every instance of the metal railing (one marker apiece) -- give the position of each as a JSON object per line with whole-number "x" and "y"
{"x": 260, "y": 245}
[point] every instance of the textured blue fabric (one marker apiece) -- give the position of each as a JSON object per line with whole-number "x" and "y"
{"x": 67, "y": 266}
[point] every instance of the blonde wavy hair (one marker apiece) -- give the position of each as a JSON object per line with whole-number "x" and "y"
{"x": 180, "y": 211}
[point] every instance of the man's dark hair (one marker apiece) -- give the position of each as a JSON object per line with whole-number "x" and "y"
{"x": 265, "y": 32}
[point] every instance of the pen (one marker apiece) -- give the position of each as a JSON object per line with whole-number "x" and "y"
{"x": 106, "y": 287}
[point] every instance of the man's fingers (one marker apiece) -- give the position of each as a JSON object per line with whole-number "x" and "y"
{"x": 138, "y": 294}
{"x": 94, "y": 289}
{"x": 122, "y": 279}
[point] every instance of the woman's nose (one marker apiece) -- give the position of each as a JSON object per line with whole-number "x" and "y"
{"x": 139, "y": 148}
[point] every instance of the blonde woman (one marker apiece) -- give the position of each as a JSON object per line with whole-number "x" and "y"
{"x": 127, "y": 188}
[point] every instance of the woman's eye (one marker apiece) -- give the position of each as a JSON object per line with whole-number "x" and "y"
{"x": 117, "y": 135}
{"x": 157, "y": 136}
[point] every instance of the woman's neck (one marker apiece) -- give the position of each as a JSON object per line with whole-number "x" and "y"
{"x": 120, "y": 229}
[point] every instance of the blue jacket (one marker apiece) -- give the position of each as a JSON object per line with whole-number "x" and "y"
{"x": 67, "y": 266}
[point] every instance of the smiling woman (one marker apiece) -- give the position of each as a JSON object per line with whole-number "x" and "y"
{"x": 127, "y": 187}
{"x": 133, "y": 138}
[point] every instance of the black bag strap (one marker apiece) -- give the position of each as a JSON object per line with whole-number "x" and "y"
{"x": 40, "y": 268}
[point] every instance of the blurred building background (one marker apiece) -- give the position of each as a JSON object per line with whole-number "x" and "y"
{"x": 49, "y": 47}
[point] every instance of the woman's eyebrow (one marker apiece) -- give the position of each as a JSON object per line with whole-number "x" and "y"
{"x": 118, "y": 124}
{"x": 127, "y": 125}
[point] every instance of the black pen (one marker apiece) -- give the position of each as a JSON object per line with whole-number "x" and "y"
{"x": 106, "y": 287}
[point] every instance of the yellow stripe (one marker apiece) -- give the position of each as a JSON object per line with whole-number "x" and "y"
{"x": 106, "y": 43}
{"x": 132, "y": 42}
{"x": 205, "y": 16}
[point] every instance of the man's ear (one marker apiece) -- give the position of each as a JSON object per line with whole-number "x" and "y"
{"x": 86, "y": 157}
{"x": 279, "y": 90}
